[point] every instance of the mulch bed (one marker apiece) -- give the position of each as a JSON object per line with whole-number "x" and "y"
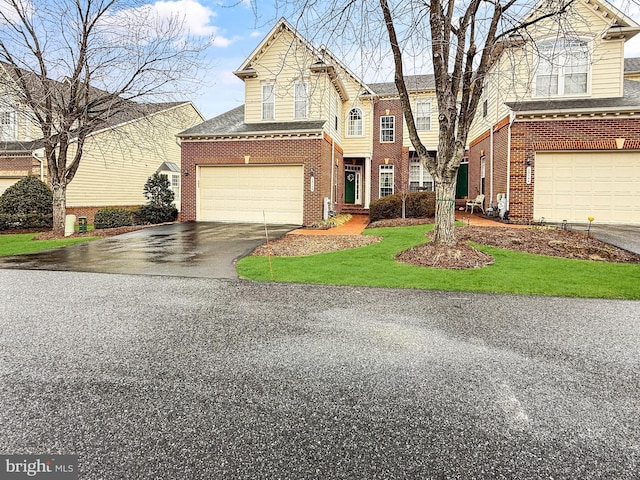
{"x": 299, "y": 245}
{"x": 102, "y": 232}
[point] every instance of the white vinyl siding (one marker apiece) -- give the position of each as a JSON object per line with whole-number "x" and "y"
{"x": 268, "y": 101}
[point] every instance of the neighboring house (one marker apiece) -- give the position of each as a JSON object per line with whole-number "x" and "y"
{"x": 311, "y": 139}
{"x": 117, "y": 159}
{"x": 558, "y": 130}
{"x": 561, "y": 140}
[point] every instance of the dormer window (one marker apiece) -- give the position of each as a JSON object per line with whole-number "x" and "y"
{"x": 563, "y": 68}
{"x": 268, "y": 101}
{"x": 354, "y": 123}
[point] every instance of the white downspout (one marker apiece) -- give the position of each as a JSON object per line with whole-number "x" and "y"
{"x": 333, "y": 167}
{"x": 491, "y": 166}
{"x": 35, "y": 155}
{"x": 512, "y": 119}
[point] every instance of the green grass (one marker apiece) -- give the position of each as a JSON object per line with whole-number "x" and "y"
{"x": 512, "y": 272}
{"x": 18, "y": 244}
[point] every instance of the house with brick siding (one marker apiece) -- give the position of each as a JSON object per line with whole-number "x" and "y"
{"x": 558, "y": 130}
{"x": 311, "y": 139}
{"x": 118, "y": 157}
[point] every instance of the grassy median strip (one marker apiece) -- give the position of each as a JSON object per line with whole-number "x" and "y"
{"x": 512, "y": 272}
{"x": 20, "y": 243}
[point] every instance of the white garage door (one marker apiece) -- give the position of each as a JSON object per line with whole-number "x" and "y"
{"x": 243, "y": 193}
{"x": 6, "y": 183}
{"x": 574, "y": 186}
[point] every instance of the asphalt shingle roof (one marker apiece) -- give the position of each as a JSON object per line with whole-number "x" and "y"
{"x": 232, "y": 122}
{"x": 631, "y": 99}
{"x": 632, "y": 64}
{"x": 415, "y": 83}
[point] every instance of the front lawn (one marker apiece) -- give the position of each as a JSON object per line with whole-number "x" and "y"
{"x": 20, "y": 243}
{"x": 512, "y": 272}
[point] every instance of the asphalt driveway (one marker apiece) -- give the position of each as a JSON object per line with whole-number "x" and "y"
{"x": 191, "y": 249}
{"x": 184, "y": 378}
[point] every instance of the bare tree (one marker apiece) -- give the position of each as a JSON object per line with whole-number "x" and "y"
{"x": 73, "y": 66}
{"x": 464, "y": 39}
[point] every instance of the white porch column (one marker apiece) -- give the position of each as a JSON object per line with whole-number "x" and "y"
{"x": 367, "y": 181}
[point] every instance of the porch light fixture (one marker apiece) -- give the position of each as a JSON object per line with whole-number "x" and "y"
{"x": 186, "y": 172}
{"x": 528, "y": 161}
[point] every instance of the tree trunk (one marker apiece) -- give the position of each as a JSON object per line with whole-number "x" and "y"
{"x": 59, "y": 208}
{"x": 445, "y": 212}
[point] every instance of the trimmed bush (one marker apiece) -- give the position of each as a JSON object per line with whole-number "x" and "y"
{"x": 112, "y": 218}
{"x": 27, "y": 197}
{"x": 421, "y": 205}
{"x": 28, "y": 221}
{"x": 417, "y": 205}
{"x": 152, "y": 214}
{"x": 385, "y": 207}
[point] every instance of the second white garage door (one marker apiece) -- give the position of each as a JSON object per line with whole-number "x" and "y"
{"x": 577, "y": 185}
{"x": 243, "y": 193}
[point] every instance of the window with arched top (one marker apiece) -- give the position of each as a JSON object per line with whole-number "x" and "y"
{"x": 563, "y": 67}
{"x": 354, "y": 123}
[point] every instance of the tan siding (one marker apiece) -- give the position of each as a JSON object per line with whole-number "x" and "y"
{"x": 428, "y": 137}
{"x": 117, "y": 163}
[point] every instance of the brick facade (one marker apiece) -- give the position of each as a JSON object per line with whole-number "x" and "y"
{"x": 531, "y": 136}
{"x": 312, "y": 153}
{"x": 22, "y": 166}
{"x": 389, "y": 153}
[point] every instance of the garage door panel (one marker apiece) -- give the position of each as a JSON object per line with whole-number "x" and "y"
{"x": 251, "y": 193}
{"x": 575, "y": 185}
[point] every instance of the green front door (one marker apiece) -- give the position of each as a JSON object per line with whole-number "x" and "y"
{"x": 349, "y": 187}
{"x": 462, "y": 184}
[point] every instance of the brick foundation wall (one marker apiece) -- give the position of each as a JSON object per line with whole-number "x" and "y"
{"x": 497, "y": 172}
{"x": 312, "y": 153}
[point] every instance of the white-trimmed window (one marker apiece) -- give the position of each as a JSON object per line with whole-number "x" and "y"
{"x": 301, "y": 100}
{"x": 423, "y": 115}
{"x": 268, "y": 101}
{"x": 174, "y": 185}
{"x": 387, "y": 129}
{"x": 419, "y": 177}
{"x": 563, "y": 68}
{"x": 336, "y": 113}
{"x": 7, "y": 125}
{"x": 354, "y": 123}
{"x": 386, "y": 180}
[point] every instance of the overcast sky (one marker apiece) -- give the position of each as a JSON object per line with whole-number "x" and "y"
{"x": 237, "y": 30}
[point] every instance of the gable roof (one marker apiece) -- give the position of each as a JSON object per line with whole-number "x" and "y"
{"x": 232, "y": 123}
{"x": 325, "y": 59}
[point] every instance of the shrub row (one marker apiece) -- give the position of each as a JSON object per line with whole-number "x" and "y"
{"x": 24, "y": 221}
{"x": 144, "y": 215}
{"x": 417, "y": 205}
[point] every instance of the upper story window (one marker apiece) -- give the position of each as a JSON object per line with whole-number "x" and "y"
{"x": 563, "y": 68}
{"x": 336, "y": 113}
{"x": 301, "y": 100}
{"x": 268, "y": 101}
{"x": 354, "y": 123}
{"x": 7, "y": 125}
{"x": 485, "y": 108}
{"x": 423, "y": 115}
{"x": 387, "y": 128}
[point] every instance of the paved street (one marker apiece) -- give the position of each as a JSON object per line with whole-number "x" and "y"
{"x": 187, "y": 378}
